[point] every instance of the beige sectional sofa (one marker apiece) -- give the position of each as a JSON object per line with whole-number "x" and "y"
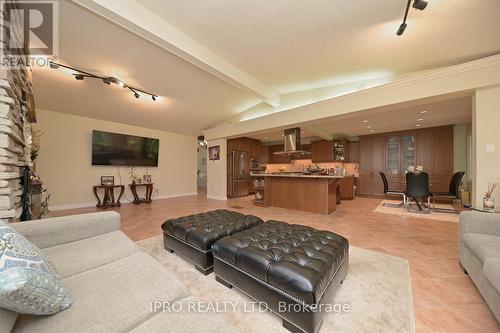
{"x": 480, "y": 254}
{"x": 111, "y": 283}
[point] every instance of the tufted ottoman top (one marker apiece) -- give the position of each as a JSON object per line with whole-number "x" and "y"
{"x": 202, "y": 230}
{"x": 297, "y": 260}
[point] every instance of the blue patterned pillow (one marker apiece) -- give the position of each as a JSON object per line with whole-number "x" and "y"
{"x": 28, "y": 282}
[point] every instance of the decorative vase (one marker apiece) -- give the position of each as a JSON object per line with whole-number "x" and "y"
{"x": 489, "y": 204}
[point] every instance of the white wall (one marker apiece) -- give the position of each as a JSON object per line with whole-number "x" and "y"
{"x": 460, "y": 150}
{"x": 217, "y": 172}
{"x": 64, "y": 163}
{"x": 485, "y": 130}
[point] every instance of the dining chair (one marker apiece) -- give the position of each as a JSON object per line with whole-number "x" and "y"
{"x": 453, "y": 192}
{"x": 417, "y": 187}
{"x": 392, "y": 192}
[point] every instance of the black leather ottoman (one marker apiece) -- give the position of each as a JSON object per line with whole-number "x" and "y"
{"x": 192, "y": 236}
{"x": 294, "y": 269}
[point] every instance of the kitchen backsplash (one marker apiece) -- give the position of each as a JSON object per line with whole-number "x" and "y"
{"x": 300, "y": 165}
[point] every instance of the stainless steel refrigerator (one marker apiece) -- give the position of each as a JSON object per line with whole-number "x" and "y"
{"x": 240, "y": 178}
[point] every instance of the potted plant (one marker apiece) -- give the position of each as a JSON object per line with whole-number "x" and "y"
{"x": 488, "y": 200}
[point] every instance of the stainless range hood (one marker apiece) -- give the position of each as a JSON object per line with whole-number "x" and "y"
{"x": 292, "y": 144}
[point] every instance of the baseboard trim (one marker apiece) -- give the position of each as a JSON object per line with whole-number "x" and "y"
{"x": 215, "y": 197}
{"x": 92, "y": 204}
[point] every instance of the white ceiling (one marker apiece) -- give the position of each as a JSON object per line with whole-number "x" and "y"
{"x": 289, "y": 45}
{"x": 388, "y": 119}
{"x": 191, "y": 99}
{"x": 302, "y": 44}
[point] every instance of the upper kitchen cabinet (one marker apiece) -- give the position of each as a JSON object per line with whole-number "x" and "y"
{"x": 273, "y": 158}
{"x": 322, "y": 151}
{"x": 354, "y": 152}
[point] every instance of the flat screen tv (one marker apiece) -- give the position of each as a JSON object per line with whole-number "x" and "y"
{"x": 121, "y": 149}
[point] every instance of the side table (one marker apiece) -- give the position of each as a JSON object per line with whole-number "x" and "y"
{"x": 149, "y": 192}
{"x": 108, "y": 199}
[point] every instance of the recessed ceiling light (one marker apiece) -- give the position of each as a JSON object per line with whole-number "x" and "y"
{"x": 302, "y": 132}
{"x": 418, "y": 125}
{"x": 365, "y": 121}
{"x": 369, "y": 126}
{"x": 420, "y": 119}
{"x": 265, "y": 138}
{"x": 372, "y": 131}
{"x": 422, "y": 112}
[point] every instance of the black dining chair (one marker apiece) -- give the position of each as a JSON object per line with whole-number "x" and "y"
{"x": 392, "y": 192}
{"x": 417, "y": 187}
{"x": 453, "y": 191}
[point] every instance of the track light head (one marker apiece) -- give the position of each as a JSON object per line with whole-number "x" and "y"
{"x": 137, "y": 95}
{"x": 53, "y": 65}
{"x": 107, "y": 80}
{"x": 117, "y": 81}
{"x": 154, "y": 97}
{"x": 401, "y": 29}
{"x": 420, "y": 4}
{"x": 79, "y": 76}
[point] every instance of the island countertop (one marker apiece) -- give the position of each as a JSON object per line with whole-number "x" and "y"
{"x": 297, "y": 175}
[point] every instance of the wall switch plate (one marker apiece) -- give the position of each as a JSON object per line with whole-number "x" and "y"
{"x": 490, "y": 147}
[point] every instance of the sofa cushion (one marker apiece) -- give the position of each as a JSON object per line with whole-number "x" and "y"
{"x": 7, "y": 320}
{"x": 28, "y": 282}
{"x": 491, "y": 270}
{"x": 83, "y": 255}
{"x": 186, "y": 320}
{"x": 483, "y": 246}
{"x": 110, "y": 298}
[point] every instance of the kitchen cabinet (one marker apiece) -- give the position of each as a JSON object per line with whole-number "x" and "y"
{"x": 393, "y": 152}
{"x": 341, "y": 151}
{"x": 277, "y": 159}
{"x": 354, "y": 152}
{"x": 322, "y": 151}
{"x": 347, "y": 188}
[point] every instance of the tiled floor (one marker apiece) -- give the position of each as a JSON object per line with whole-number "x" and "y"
{"x": 444, "y": 298}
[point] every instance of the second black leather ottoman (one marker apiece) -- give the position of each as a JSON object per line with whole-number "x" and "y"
{"x": 192, "y": 236}
{"x": 294, "y": 269}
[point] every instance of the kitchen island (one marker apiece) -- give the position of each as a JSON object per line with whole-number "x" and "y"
{"x": 310, "y": 193}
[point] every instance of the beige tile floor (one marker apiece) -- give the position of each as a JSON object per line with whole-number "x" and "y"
{"x": 444, "y": 298}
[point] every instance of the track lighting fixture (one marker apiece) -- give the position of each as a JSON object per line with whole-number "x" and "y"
{"x": 417, "y": 4}
{"x": 420, "y": 4}
{"x": 80, "y": 75}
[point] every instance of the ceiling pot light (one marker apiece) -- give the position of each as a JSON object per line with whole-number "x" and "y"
{"x": 365, "y": 121}
{"x": 422, "y": 112}
{"x": 369, "y": 126}
{"x": 420, "y": 119}
{"x": 372, "y": 131}
{"x": 418, "y": 125}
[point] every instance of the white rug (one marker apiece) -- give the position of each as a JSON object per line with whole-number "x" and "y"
{"x": 377, "y": 288}
{"x": 400, "y": 211}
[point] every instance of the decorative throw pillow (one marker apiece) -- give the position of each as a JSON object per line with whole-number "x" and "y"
{"x": 28, "y": 282}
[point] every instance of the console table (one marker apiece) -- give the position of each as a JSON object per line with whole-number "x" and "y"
{"x": 149, "y": 192}
{"x": 109, "y": 195}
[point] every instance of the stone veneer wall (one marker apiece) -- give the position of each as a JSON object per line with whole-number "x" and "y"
{"x": 16, "y": 113}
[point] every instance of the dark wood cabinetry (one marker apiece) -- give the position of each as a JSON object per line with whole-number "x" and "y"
{"x": 354, "y": 152}
{"x": 251, "y": 146}
{"x": 392, "y": 153}
{"x": 272, "y": 158}
{"x": 322, "y": 151}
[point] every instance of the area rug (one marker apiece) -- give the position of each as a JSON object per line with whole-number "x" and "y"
{"x": 448, "y": 217}
{"x": 377, "y": 290}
